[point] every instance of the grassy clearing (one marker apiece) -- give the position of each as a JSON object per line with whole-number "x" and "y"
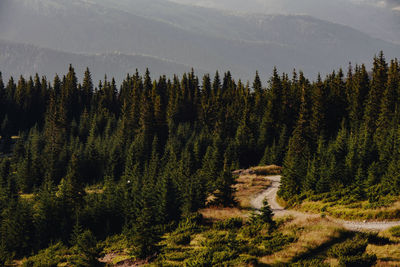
{"x": 248, "y": 186}
{"x": 266, "y": 170}
{"x": 214, "y": 214}
{"x": 354, "y": 211}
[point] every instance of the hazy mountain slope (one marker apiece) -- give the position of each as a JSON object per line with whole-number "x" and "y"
{"x": 198, "y": 37}
{"x": 369, "y": 16}
{"x": 17, "y": 59}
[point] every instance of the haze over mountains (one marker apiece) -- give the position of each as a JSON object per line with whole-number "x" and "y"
{"x": 379, "y": 18}
{"x": 173, "y": 37}
{"x": 23, "y": 59}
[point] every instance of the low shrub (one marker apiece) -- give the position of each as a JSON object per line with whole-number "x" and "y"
{"x": 223, "y": 256}
{"x": 116, "y": 243}
{"x": 179, "y": 239}
{"x": 395, "y": 231}
{"x": 251, "y": 231}
{"x": 230, "y": 224}
{"x": 222, "y": 241}
{"x": 250, "y": 260}
{"x": 365, "y": 260}
{"x": 277, "y": 243}
{"x": 351, "y": 247}
{"x": 190, "y": 224}
{"x": 177, "y": 256}
{"x": 51, "y": 256}
{"x": 263, "y": 246}
{"x": 219, "y": 249}
{"x": 256, "y": 252}
{"x": 202, "y": 259}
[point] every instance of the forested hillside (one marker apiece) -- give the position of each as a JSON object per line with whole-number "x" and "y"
{"x": 82, "y": 162}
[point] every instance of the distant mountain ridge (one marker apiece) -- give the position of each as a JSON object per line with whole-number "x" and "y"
{"x": 22, "y": 59}
{"x": 198, "y": 37}
{"x": 380, "y": 19}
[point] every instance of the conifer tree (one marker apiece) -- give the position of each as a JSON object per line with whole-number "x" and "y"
{"x": 87, "y": 90}
{"x": 296, "y": 160}
{"x": 388, "y": 106}
{"x": 317, "y": 123}
{"x": 378, "y": 83}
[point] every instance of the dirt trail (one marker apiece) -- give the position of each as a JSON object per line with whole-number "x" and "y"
{"x": 279, "y": 211}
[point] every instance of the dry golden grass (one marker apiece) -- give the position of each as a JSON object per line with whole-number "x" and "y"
{"x": 214, "y": 214}
{"x": 353, "y": 211}
{"x": 388, "y": 255}
{"x": 267, "y": 170}
{"x": 311, "y": 232}
{"x": 248, "y": 186}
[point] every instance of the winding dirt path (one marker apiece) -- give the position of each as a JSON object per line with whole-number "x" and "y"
{"x": 279, "y": 211}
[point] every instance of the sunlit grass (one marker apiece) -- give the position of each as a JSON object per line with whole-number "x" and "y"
{"x": 218, "y": 214}
{"x": 354, "y": 211}
{"x": 248, "y": 186}
{"x": 312, "y": 233}
{"x": 267, "y": 170}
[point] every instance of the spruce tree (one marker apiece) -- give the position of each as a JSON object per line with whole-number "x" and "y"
{"x": 296, "y": 160}
{"x": 378, "y": 84}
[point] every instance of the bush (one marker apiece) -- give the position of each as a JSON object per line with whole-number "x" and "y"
{"x": 252, "y": 261}
{"x": 190, "y": 224}
{"x": 202, "y": 259}
{"x": 51, "y": 256}
{"x": 223, "y": 256}
{"x": 269, "y": 245}
{"x": 87, "y": 249}
{"x": 251, "y": 231}
{"x": 220, "y": 249}
{"x": 116, "y": 243}
{"x": 222, "y": 241}
{"x": 395, "y": 231}
{"x": 277, "y": 243}
{"x": 351, "y": 247}
{"x": 176, "y": 256}
{"x": 180, "y": 239}
{"x": 233, "y": 223}
{"x": 364, "y": 260}
{"x": 256, "y": 252}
